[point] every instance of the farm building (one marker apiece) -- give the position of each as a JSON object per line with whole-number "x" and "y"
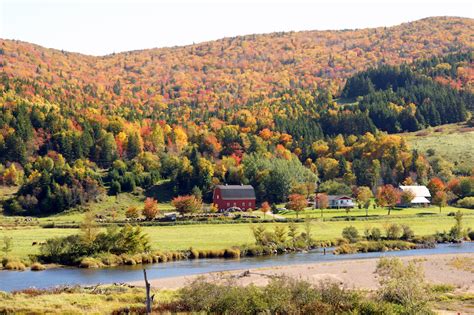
{"x": 234, "y": 196}
{"x": 422, "y": 195}
{"x": 338, "y": 201}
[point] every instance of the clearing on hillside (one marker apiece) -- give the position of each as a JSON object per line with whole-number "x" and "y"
{"x": 453, "y": 142}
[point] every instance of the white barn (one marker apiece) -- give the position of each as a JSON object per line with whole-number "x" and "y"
{"x": 422, "y": 194}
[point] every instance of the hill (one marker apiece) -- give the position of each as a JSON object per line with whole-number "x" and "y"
{"x": 257, "y": 109}
{"x": 230, "y": 71}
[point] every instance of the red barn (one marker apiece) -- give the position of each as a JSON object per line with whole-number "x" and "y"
{"x": 230, "y": 196}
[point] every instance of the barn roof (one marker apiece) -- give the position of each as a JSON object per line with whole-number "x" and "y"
{"x": 419, "y": 191}
{"x": 236, "y": 192}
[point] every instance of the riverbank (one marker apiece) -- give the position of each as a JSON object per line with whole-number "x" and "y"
{"x": 452, "y": 269}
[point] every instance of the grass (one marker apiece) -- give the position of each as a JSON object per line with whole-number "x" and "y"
{"x": 97, "y": 300}
{"x": 110, "y": 207}
{"x": 462, "y": 263}
{"x": 220, "y": 236}
{"x": 379, "y": 212}
{"x": 453, "y": 142}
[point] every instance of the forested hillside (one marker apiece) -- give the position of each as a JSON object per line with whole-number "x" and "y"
{"x": 258, "y": 109}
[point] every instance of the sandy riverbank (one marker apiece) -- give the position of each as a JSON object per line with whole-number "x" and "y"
{"x": 454, "y": 269}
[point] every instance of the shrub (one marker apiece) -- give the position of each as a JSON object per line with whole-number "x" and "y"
{"x": 470, "y": 234}
{"x": 350, "y": 233}
{"x": 132, "y": 213}
{"x": 403, "y": 284}
{"x": 393, "y": 231}
{"x": 110, "y": 259}
{"x": 345, "y": 249}
{"x": 128, "y": 260}
{"x": 467, "y": 202}
{"x": 407, "y": 233}
{"x": 150, "y": 209}
{"x": 442, "y": 288}
{"x": 376, "y": 234}
{"x": 373, "y": 246}
{"x": 12, "y": 264}
{"x": 232, "y": 253}
{"x": 37, "y": 267}
{"x": 71, "y": 249}
{"x": 90, "y": 262}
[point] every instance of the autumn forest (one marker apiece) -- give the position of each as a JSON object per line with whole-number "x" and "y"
{"x": 280, "y": 111}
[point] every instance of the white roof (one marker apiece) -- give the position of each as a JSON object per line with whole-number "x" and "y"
{"x": 419, "y": 191}
{"x": 420, "y": 200}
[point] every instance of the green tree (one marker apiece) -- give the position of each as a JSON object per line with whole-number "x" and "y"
{"x": 134, "y": 145}
{"x": 363, "y": 197}
{"x": 89, "y": 229}
{"x": 117, "y": 88}
{"x": 351, "y": 234}
{"x": 457, "y": 231}
{"x": 293, "y": 232}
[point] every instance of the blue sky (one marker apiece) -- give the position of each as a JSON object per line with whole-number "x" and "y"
{"x": 105, "y": 26}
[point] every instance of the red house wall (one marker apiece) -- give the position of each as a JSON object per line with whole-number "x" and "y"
{"x": 224, "y": 204}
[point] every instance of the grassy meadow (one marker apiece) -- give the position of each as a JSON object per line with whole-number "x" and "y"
{"x": 94, "y": 300}
{"x": 453, "y": 142}
{"x": 219, "y": 236}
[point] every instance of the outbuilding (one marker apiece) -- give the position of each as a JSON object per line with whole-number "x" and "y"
{"x": 421, "y": 193}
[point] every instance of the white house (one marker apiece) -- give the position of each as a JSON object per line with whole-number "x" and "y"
{"x": 422, "y": 194}
{"x": 338, "y": 202}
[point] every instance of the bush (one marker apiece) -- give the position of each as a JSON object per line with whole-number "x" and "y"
{"x": 470, "y": 234}
{"x": 407, "y": 233}
{"x": 132, "y": 213}
{"x": 279, "y": 296}
{"x": 403, "y": 284}
{"x": 373, "y": 246}
{"x": 13, "y": 264}
{"x": 89, "y": 262}
{"x": 393, "y": 231}
{"x": 350, "y": 233}
{"x": 442, "y": 288}
{"x": 109, "y": 259}
{"x": 232, "y": 253}
{"x": 375, "y": 234}
{"x": 467, "y": 202}
{"x": 71, "y": 249}
{"x": 37, "y": 267}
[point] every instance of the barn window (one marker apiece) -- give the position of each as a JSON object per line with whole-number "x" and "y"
{"x": 228, "y": 204}
{"x": 243, "y": 204}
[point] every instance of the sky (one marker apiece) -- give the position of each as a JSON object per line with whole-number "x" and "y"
{"x": 102, "y": 27}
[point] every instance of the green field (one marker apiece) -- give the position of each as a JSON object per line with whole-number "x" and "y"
{"x": 109, "y": 207}
{"x": 219, "y": 236}
{"x": 374, "y": 213}
{"x": 454, "y": 142}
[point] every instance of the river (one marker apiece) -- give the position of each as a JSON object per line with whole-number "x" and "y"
{"x": 17, "y": 280}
